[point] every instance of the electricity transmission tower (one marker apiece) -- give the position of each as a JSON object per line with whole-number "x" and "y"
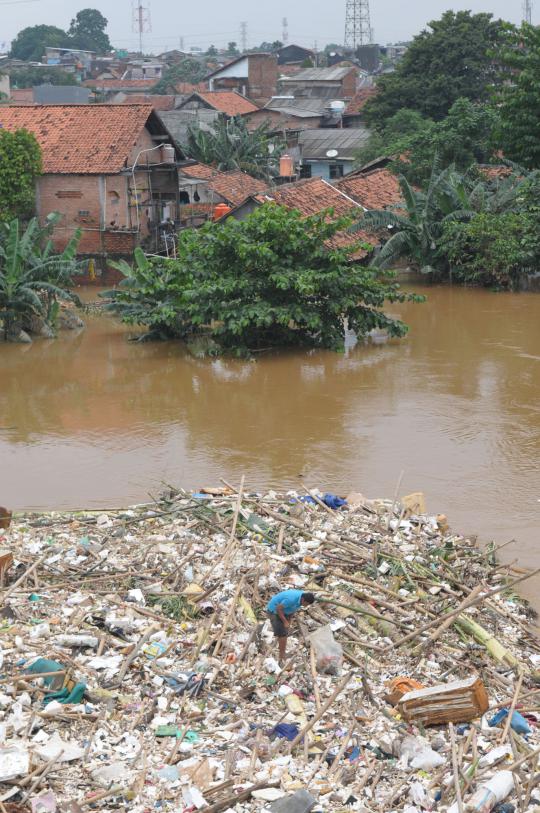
{"x": 357, "y": 24}
{"x": 141, "y": 21}
{"x": 243, "y": 36}
{"x": 527, "y": 11}
{"x": 285, "y": 34}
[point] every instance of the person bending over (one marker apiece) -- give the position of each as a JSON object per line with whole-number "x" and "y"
{"x": 280, "y": 608}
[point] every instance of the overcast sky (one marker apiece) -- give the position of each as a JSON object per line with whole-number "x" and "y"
{"x": 218, "y": 21}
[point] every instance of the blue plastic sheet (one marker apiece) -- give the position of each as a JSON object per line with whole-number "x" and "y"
{"x": 518, "y": 723}
{"x": 287, "y": 731}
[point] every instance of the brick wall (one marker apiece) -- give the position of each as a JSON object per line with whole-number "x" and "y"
{"x": 262, "y": 77}
{"x": 349, "y": 84}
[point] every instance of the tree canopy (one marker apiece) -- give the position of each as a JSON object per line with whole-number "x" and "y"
{"x": 30, "y": 77}
{"x": 520, "y": 98}
{"x": 30, "y": 43}
{"x": 451, "y": 59}
{"x": 270, "y": 280}
{"x": 87, "y": 31}
{"x": 188, "y": 70}
{"x": 464, "y": 137}
{"x": 20, "y": 165}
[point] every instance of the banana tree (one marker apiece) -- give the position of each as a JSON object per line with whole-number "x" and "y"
{"x": 415, "y": 228}
{"x": 32, "y": 277}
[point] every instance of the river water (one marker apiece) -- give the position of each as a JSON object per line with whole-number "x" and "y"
{"x": 91, "y": 420}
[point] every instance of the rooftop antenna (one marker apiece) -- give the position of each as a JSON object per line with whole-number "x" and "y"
{"x": 527, "y": 11}
{"x": 285, "y": 32}
{"x": 141, "y": 21}
{"x": 358, "y": 24}
{"x": 243, "y": 36}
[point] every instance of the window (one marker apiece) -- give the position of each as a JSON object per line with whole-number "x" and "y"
{"x": 305, "y": 171}
{"x": 336, "y": 170}
{"x": 84, "y": 213}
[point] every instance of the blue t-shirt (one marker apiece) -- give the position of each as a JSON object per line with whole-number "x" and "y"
{"x": 290, "y": 599}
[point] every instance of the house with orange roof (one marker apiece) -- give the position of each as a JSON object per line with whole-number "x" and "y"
{"x": 229, "y": 102}
{"x": 203, "y": 188}
{"x": 109, "y": 170}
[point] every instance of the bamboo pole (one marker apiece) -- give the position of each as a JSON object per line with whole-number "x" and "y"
{"x": 455, "y": 769}
{"x": 508, "y": 721}
{"x": 339, "y": 688}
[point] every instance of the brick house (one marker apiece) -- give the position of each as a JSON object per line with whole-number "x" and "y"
{"x": 229, "y": 102}
{"x": 110, "y": 170}
{"x": 252, "y": 75}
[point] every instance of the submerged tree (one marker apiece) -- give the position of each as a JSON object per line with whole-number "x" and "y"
{"x": 274, "y": 279}
{"x": 33, "y": 278}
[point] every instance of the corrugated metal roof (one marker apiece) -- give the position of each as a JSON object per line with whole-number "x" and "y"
{"x": 298, "y": 106}
{"x": 319, "y": 75}
{"x": 315, "y": 144}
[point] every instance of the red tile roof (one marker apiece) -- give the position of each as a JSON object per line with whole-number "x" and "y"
{"x": 120, "y": 84}
{"x": 314, "y": 195}
{"x": 359, "y": 99}
{"x": 234, "y": 186}
{"x": 157, "y": 102}
{"x": 228, "y": 101}
{"x": 495, "y": 172}
{"x": 185, "y": 88}
{"x": 377, "y": 189}
{"x": 81, "y": 139}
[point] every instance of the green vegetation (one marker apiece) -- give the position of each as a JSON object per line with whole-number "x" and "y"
{"x": 32, "y": 278}
{"x": 87, "y": 31}
{"x": 274, "y": 279}
{"x": 20, "y": 165}
{"x": 230, "y": 145}
{"x": 520, "y": 98}
{"x": 464, "y": 227}
{"x": 30, "y": 77}
{"x": 188, "y": 70}
{"x": 464, "y": 137}
{"x": 452, "y": 59}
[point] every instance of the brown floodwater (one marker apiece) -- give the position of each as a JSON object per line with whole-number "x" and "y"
{"x": 92, "y": 420}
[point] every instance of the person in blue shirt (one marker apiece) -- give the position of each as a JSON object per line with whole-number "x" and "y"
{"x": 280, "y": 608}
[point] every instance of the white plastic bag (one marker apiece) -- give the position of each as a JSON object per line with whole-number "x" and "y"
{"x": 328, "y": 652}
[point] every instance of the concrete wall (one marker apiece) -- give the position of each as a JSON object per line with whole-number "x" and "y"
{"x": 321, "y": 169}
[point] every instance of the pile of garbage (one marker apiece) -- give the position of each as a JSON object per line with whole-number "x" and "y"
{"x": 138, "y": 668}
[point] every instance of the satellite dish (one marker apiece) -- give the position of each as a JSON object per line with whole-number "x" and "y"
{"x": 332, "y": 153}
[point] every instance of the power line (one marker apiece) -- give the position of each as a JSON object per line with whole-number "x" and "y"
{"x": 141, "y": 21}
{"x": 243, "y": 36}
{"x": 527, "y": 11}
{"x": 285, "y": 33}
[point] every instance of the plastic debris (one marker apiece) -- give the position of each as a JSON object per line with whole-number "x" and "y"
{"x": 454, "y": 702}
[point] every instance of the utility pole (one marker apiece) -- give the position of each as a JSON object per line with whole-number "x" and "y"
{"x": 285, "y": 32}
{"x": 243, "y": 36}
{"x": 357, "y": 24}
{"x": 141, "y": 21}
{"x": 527, "y": 11}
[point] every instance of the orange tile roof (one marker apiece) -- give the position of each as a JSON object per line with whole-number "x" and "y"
{"x": 494, "y": 172}
{"x": 312, "y": 196}
{"x": 228, "y": 101}
{"x": 120, "y": 84}
{"x": 378, "y": 189}
{"x": 185, "y": 88}
{"x": 233, "y": 186}
{"x": 359, "y": 99}
{"x": 81, "y": 139}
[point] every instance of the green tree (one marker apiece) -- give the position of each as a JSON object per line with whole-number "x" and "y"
{"x": 30, "y": 77}
{"x": 30, "y": 43}
{"x": 212, "y": 51}
{"x": 230, "y": 145}
{"x": 464, "y": 137}
{"x": 189, "y": 70}
{"x": 416, "y": 230}
{"x": 232, "y": 49}
{"x": 20, "y": 165}
{"x": 519, "y": 99}
{"x": 492, "y": 249}
{"x": 32, "y": 277}
{"x": 271, "y": 280}
{"x": 453, "y": 58}
{"x": 87, "y": 31}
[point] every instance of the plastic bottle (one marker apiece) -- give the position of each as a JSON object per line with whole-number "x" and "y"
{"x": 491, "y": 793}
